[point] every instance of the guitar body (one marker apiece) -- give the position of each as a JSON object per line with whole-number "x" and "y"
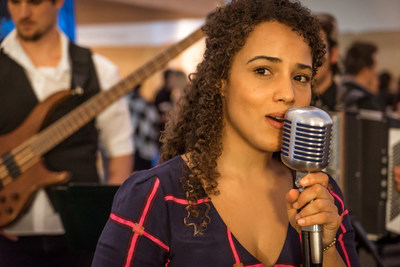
{"x": 18, "y": 181}
{"x": 22, "y": 171}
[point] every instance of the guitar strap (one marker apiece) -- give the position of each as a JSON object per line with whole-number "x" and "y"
{"x": 79, "y": 159}
{"x": 81, "y": 63}
{"x": 78, "y": 153}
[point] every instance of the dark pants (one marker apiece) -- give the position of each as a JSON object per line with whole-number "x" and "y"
{"x": 41, "y": 251}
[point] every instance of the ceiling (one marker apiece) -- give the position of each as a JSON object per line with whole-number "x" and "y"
{"x": 122, "y": 11}
{"x": 353, "y": 16}
{"x": 147, "y": 23}
{"x": 200, "y": 7}
{"x": 155, "y": 22}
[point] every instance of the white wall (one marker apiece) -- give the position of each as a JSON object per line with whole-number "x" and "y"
{"x": 360, "y": 15}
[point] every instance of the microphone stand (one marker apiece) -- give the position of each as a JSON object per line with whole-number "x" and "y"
{"x": 311, "y": 237}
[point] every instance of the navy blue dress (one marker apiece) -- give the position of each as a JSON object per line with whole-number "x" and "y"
{"x": 146, "y": 228}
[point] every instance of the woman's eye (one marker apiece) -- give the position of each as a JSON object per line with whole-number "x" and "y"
{"x": 262, "y": 71}
{"x": 302, "y": 78}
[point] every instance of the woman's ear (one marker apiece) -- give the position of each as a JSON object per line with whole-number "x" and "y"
{"x": 223, "y": 87}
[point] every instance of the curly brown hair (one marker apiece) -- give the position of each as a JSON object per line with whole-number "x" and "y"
{"x": 195, "y": 126}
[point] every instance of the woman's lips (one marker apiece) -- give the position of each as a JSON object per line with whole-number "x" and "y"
{"x": 276, "y": 121}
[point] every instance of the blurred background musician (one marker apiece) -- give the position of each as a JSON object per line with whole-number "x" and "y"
{"x": 37, "y": 60}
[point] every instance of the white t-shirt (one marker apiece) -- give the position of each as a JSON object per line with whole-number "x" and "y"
{"x": 113, "y": 124}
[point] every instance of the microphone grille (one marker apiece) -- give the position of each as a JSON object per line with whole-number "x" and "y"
{"x": 306, "y": 139}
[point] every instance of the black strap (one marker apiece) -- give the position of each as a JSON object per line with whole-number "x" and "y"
{"x": 80, "y": 58}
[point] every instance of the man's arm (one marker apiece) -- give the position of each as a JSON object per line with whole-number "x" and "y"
{"x": 119, "y": 168}
{"x": 115, "y": 127}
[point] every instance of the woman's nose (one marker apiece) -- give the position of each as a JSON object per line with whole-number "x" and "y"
{"x": 284, "y": 91}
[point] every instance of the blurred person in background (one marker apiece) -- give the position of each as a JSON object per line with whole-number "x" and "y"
{"x": 326, "y": 92}
{"x": 146, "y": 122}
{"x": 360, "y": 81}
{"x": 386, "y": 97}
{"x": 167, "y": 97}
{"x": 163, "y": 100}
{"x": 36, "y": 61}
{"x": 180, "y": 82}
{"x": 396, "y": 101}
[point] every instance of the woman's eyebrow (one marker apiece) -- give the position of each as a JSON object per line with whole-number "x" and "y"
{"x": 278, "y": 60}
{"x": 272, "y": 59}
{"x": 304, "y": 66}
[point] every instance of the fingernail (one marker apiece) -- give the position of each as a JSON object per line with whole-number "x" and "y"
{"x": 296, "y": 205}
{"x": 298, "y": 217}
{"x": 304, "y": 181}
{"x": 301, "y": 221}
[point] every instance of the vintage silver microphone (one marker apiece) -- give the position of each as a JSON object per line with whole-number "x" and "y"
{"x": 305, "y": 149}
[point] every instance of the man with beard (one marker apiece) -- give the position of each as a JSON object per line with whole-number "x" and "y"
{"x": 36, "y": 61}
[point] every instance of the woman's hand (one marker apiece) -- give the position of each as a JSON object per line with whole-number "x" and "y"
{"x": 316, "y": 206}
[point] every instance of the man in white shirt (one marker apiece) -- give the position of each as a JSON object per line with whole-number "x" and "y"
{"x": 37, "y": 60}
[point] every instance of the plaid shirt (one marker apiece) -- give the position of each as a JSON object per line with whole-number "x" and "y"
{"x": 145, "y": 120}
{"x": 146, "y": 228}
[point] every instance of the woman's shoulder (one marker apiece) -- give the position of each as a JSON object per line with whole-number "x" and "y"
{"x": 167, "y": 175}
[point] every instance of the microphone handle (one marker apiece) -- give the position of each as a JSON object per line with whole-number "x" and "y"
{"x": 312, "y": 257}
{"x": 311, "y": 237}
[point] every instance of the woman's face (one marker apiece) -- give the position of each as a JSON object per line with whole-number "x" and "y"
{"x": 269, "y": 75}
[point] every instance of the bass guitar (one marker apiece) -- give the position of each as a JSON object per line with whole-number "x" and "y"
{"x": 22, "y": 171}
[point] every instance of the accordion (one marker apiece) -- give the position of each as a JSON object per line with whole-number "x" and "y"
{"x": 393, "y": 200}
{"x": 365, "y": 148}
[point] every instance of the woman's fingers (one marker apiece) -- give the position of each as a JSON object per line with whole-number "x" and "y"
{"x": 318, "y": 211}
{"x": 314, "y": 206}
{"x": 311, "y": 193}
{"x": 291, "y": 198}
{"x": 315, "y": 178}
